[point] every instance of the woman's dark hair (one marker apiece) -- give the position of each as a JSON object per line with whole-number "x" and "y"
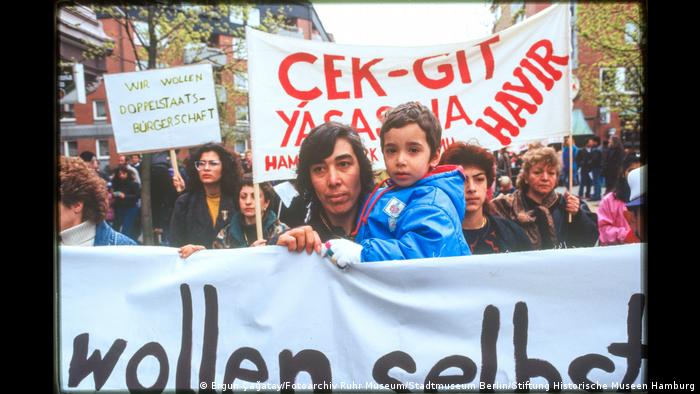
{"x": 471, "y": 155}
{"x": 230, "y": 169}
{"x": 318, "y": 145}
{"x": 622, "y": 189}
{"x": 123, "y": 168}
{"x": 265, "y": 188}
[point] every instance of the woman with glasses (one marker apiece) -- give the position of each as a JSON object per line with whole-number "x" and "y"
{"x": 208, "y": 202}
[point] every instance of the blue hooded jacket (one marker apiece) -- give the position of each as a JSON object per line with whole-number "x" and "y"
{"x": 419, "y": 221}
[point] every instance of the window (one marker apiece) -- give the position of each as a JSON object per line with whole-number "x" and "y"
{"x": 517, "y": 12}
{"x": 237, "y": 16}
{"x": 240, "y": 82}
{"x": 631, "y": 33}
{"x": 611, "y": 80}
{"x": 497, "y": 13}
{"x": 619, "y": 80}
{"x": 240, "y": 50}
{"x": 240, "y": 146}
{"x": 141, "y": 30}
{"x": 631, "y": 79}
{"x": 99, "y": 110}
{"x": 69, "y": 148}
{"x": 254, "y": 17}
{"x": 102, "y": 149}
{"x": 242, "y": 114}
{"x": 67, "y": 112}
{"x": 604, "y": 115}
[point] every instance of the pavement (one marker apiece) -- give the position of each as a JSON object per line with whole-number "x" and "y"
{"x": 593, "y": 205}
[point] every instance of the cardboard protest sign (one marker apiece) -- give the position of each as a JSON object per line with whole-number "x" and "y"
{"x": 163, "y": 109}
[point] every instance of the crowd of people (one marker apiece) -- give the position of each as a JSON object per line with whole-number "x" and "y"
{"x": 428, "y": 204}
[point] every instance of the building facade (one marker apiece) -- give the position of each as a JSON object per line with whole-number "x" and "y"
{"x": 87, "y": 126}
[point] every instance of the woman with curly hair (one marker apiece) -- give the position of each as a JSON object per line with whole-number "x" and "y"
{"x": 82, "y": 207}
{"x": 541, "y": 211}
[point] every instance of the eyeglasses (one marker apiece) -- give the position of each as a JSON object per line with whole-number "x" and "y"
{"x": 202, "y": 164}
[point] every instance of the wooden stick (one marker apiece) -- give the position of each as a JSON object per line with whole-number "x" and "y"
{"x": 571, "y": 167}
{"x": 173, "y": 162}
{"x": 258, "y": 213}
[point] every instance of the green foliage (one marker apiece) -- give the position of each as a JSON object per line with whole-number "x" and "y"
{"x": 615, "y": 32}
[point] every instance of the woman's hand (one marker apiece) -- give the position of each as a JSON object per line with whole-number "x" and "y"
{"x": 178, "y": 183}
{"x": 300, "y": 238}
{"x": 260, "y": 242}
{"x": 572, "y": 203}
{"x": 187, "y": 250}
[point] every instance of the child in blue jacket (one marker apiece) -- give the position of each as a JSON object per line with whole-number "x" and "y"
{"x": 420, "y": 211}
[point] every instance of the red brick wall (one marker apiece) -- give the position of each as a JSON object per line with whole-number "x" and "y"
{"x": 306, "y": 26}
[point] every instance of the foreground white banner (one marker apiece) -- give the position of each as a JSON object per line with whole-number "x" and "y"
{"x": 162, "y": 109}
{"x": 262, "y": 318}
{"x": 507, "y": 88}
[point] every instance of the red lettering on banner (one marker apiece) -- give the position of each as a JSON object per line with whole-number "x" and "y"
{"x": 306, "y": 124}
{"x": 290, "y": 125}
{"x": 434, "y": 107}
{"x": 279, "y": 162}
{"x": 357, "y": 118}
{"x": 526, "y": 86}
{"x": 380, "y": 116}
{"x": 463, "y": 67}
{"x": 548, "y": 83}
{"x": 497, "y": 130}
{"x": 331, "y": 74}
{"x": 362, "y": 72}
{"x": 397, "y": 73}
{"x": 333, "y": 112}
{"x": 445, "y": 142}
{"x": 452, "y": 103}
{"x": 423, "y": 79}
{"x": 282, "y": 163}
{"x": 373, "y": 154}
{"x": 488, "y": 55}
{"x": 381, "y": 112}
{"x": 549, "y": 57}
{"x": 283, "y": 75}
{"x": 515, "y": 105}
{"x": 270, "y": 163}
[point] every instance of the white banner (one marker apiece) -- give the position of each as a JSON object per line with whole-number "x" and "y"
{"x": 510, "y": 87}
{"x": 163, "y": 109}
{"x": 262, "y": 318}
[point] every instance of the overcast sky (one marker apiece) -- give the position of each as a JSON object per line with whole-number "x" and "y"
{"x": 405, "y": 24}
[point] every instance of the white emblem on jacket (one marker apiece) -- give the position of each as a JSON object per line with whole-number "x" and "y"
{"x": 393, "y": 208}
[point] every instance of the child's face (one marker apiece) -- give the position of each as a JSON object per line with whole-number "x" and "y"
{"x": 407, "y": 154}
{"x": 475, "y": 188}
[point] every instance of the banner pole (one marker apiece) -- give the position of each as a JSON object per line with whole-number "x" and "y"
{"x": 571, "y": 166}
{"x": 258, "y": 214}
{"x": 173, "y": 163}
